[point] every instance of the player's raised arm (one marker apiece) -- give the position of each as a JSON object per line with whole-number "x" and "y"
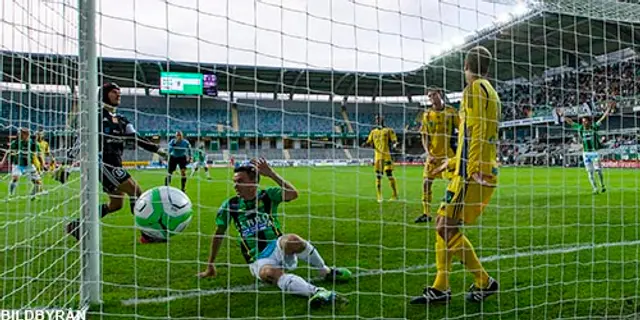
{"x": 604, "y": 116}
{"x": 289, "y": 192}
{"x": 565, "y": 119}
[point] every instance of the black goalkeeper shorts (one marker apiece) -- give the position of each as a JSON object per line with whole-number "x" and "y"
{"x": 175, "y": 162}
{"x": 112, "y": 177}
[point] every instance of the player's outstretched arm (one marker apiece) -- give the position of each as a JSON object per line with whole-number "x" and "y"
{"x": 289, "y": 192}
{"x": 560, "y": 114}
{"x": 604, "y": 116}
{"x": 216, "y": 243}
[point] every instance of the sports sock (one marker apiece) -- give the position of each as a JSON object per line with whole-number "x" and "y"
{"x": 35, "y": 189}
{"x": 12, "y": 187}
{"x": 104, "y": 210}
{"x": 193, "y": 170}
{"x": 132, "y": 204}
{"x": 443, "y": 265}
{"x": 167, "y": 180}
{"x": 294, "y": 284}
{"x": 460, "y": 246}
{"x": 591, "y": 179}
{"x": 378, "y": 188}
{"x": 601, "y": 177}
{"x": 183, "y": 182}
{"x": 392, "y": 182}
{"x": 426, "y": 202}
{"x": 311, "y": 255}
{"x": 206, "y": 170}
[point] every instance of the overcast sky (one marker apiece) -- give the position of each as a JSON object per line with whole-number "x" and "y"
{"x": 363, "y": 35}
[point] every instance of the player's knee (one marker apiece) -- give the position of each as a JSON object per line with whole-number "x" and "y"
{"x": 115, "y": 204}
{"x": 445, "y": 229}
{"x": 292, "y": 244}
{"x": 389, "y": 173}
{"x": 378, "y": 175}
{"x": 270, "y": 274}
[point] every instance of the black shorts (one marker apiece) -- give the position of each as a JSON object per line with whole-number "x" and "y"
{"x": 175, "y": 162}
{"x": 112, "y": 177}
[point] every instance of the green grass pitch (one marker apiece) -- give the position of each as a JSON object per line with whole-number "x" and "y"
{"x": 557, "y": 250}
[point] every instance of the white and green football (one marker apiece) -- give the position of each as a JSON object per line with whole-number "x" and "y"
{"x": 163, "y": 211}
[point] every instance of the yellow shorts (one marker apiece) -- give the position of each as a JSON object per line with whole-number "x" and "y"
{"x": 434, "y": 164}
{"x": 465, "y": 201}
{"x": 382, "y": 165}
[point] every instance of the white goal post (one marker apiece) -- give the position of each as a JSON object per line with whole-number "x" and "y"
{"x": 314, "y": 87}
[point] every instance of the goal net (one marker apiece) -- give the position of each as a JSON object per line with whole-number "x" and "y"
{"x": 341, "y": 98}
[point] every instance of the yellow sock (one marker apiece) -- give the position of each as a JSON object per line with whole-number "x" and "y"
{"x": 443, "y": 265}
{"x": 426, "y": 203}
{"x": 378, "y": 188}
{"x": 392, "y": 182}
{"x": 463, "y": 249}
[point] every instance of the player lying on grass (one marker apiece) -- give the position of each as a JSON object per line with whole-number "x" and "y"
{"x": 269, "y": 253}
{"x": 588, "y": 132}
{"x": 115, "y": 130}
{"x": 438, "y": 140}
{"x": 22, "y": 152}
{"x": 179, "y": 156}
{"x": 383, "y": 139}
{"x": 470, "y": 189}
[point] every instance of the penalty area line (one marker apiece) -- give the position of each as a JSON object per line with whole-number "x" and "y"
{"x": 253, "y": 287}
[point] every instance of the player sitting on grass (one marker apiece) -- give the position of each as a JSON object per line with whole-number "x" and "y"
{"x": 200, "y": 160}
{"x": 588, "y": 132}
{"x": 22, "y": 151}
{"x": 438, "y": 140}
{"x": 179, "y": 156}
{"x": 470, "y": 190}
{"x": 115, "y": 131}
{"x": 383, "y": 139}
{"x": 269, "y": 253}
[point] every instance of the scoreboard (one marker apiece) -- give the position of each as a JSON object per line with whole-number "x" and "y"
{"x": 187, "y": 83}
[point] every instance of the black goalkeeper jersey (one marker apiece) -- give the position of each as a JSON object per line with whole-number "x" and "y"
{"x": 116, "y": 132}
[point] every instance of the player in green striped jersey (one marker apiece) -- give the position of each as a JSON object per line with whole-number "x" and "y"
{"x": 199, "y": 160}
{"x": 588, "y": 133}
{"x": 269, "y": 252}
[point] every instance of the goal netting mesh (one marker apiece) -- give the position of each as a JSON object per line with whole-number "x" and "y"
{"x": 301, "y": 83}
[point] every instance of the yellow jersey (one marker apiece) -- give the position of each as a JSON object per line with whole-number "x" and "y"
{"x": 44, "y": 151}
{"x": 44, "y": 148}
{"x": 439, "y": 126}
{"x": 478, "y": 131}
{"x": 381, "y": 138}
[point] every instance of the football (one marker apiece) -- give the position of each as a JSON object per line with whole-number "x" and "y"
{"x": 163, "y": 211}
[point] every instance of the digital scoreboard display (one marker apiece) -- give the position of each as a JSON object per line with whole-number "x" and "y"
{"x": 180, "y": 83}
{"x": 187, "y": 83}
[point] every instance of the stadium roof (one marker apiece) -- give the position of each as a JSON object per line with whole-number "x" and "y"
{"x": 524, "y": 47}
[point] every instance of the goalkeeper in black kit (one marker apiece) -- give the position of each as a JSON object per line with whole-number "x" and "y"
{"x": 115, "y": 130}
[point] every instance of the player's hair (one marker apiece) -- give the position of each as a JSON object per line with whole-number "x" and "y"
{"x": 478, "y": 60}
{"x": 248, "y": 168}
{"x": 104, "y": 92}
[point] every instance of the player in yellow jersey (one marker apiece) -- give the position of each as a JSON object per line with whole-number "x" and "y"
{"x": 383, "y": 139}
{"x": 437, "y": 130}
{"x": 472, "y": 185}
{"x": 45, "y": 152}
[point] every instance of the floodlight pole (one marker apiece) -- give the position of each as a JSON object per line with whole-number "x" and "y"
{"x": 90, "y": 291}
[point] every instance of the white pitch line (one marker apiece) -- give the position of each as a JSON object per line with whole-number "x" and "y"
{"x": 252, "y": 287}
